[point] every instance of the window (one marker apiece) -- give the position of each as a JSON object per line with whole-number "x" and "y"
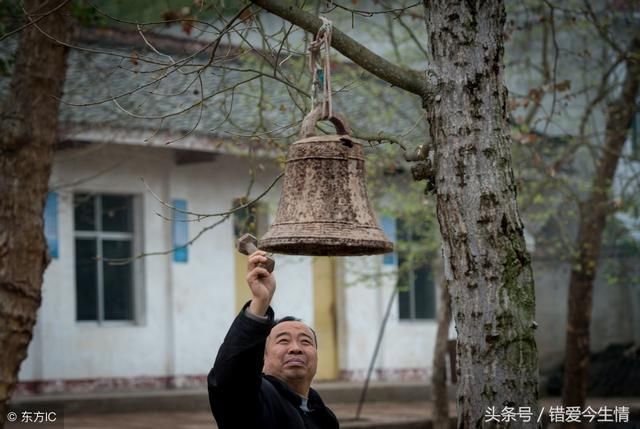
{"x": 416, "y": 294}
{"x": 104, "y": 243}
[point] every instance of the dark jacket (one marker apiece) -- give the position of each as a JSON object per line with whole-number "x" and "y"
{"x": 241, "y": 397}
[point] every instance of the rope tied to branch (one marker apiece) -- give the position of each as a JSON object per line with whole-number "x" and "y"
{"x": 320, "y": 67}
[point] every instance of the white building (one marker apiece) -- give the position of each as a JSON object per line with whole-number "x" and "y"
{"x": 159, "y": 320}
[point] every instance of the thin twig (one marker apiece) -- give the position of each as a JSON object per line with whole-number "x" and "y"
{"x": 188, "y": 108}
{"x": 125, "y": 261}
{"x": 32, "y": 21}
{"x": 555, "y": 62}
{"x": 200, "y": 216}
{"x": 369, "y": 13}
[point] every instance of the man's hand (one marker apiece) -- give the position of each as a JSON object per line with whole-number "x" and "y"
{"x": 261, "y": 282}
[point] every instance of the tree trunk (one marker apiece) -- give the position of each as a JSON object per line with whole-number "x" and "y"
{"x": 439, "y": 377}
{"x": 593, "y": 217}
{"x": 28, "y": 127}
{"x": 486, "y": 261}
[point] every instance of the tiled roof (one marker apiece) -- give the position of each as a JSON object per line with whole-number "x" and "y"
{"x": 165, "y": 103}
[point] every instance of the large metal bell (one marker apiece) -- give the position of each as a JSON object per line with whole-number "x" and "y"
{"x": 324, "y": 209}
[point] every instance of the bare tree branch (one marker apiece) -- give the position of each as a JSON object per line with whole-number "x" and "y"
{"x": 556, "y": 49}
{"x": 200, "y": 216}
{"x": 409, "y": 80}
{"x": 600, "y": 28}
{"x": 33, "y": 21}
{"x": 369, "y": 13}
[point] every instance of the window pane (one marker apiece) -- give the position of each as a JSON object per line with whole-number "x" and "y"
{"x": 404, "y": 304}
{"x": 117, "y": 213}
{"x": 84, "y": 212}
{"x": 118, "y": 281}
{"x": 86, "y": 280}
{"x": 404, "y": 288}
{"x": 424, "y": 293}
{"x": 404, "y": 275}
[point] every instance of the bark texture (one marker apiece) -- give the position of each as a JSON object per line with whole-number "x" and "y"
{"x": 593, "y": 216}
{"x": 439, "y": 377}
{"x": 28, "y": 129}
{"x": 486, "y": 262}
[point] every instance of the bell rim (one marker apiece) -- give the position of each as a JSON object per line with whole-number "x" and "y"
{"x": 325, "y": 246}
{"x": 345, "y": 223}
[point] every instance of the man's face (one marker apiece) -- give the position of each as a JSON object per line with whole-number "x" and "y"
{"x": 290, "y": 353}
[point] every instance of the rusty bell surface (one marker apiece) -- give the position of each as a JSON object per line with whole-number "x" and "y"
{"x": 324, "y": 209}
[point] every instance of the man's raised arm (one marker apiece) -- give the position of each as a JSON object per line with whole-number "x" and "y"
{"x": 234, "y": 381}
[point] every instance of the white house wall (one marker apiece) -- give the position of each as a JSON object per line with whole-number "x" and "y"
{"x": 64, "y": 348}
{"x": 362, "y": 315}
{"x": 203, "y": 291}
{"x": 611, "y": 317}
{"x": 294, "y": 296}
{"x": 406, "y": 351}
{"x": 187, "y": 307}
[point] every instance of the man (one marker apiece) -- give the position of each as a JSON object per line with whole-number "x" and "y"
{"x": 262, "y": 375}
